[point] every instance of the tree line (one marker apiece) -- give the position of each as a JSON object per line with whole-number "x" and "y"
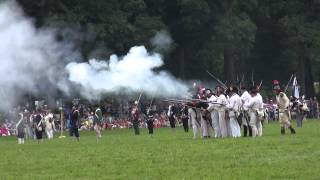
{"x": 234, "y": 39}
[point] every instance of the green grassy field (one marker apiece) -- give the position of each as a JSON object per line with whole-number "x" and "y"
{"x": 167, "y": 155}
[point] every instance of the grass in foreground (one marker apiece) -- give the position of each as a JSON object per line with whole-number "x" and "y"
{"x": 167, "y": 155}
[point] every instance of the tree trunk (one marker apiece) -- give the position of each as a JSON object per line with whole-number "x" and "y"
{"x": 181, "y": 56}
{"x": 305, "y": 73}
{"x": 309, "y": 82}
{"x": 229, "y": 68}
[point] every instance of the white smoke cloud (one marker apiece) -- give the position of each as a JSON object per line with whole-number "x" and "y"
{"x": 33, "y": 62}
{"x": 30, "y": 58}
{"x": 133, "y": 72}
{"x": 162, "y": 41}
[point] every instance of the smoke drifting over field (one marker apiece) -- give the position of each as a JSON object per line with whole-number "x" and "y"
{"x": 132, "y": 73}
{"x": 32, "y": 61}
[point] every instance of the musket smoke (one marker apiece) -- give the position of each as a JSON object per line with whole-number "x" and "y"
{"x": 33, "y": 62}
{"x": 30, "y": 58}
{"x": 162, "y": 41}
{"x": 132, "y": 73}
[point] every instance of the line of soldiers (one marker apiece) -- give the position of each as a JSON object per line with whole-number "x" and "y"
{"x": 225, "y": 111}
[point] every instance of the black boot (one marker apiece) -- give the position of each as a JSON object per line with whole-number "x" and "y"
{"x": 245, "y": 131}
{"x": 283, "y": 131}
{"x": 292, "y": 130}
{"x": 250, "y": 131}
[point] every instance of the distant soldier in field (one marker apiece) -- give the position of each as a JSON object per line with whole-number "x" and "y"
{"x": 301, "y": 109}
{"x": 205, "y": 118}
{"x": 245, "y": 98}
{"x": 20, "y": 127}
{"x": 221, "y": 108}
{"x": 233, "y": 106}
{"x": 75, "y": 123}
{"x": 50, "y": 125}
{"x": 185, "y": 118}
{"x": 194, "y": 115}
{"x": 172, "y": 111}
{"x": 150, "y": 119}
{"x": 135, "y": 115}
{"x": 212, "y": 108}
{"x": 38, "y": 126}
{"x": 192, "y": 112}
{"x": 260, "y": 112}
{"x": 98, "y": 118}
{"x": 253, "y": 106}
{"x": 284, "y": 111}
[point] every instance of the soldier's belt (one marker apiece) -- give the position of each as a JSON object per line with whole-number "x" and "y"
{"x": 283, "y": 111}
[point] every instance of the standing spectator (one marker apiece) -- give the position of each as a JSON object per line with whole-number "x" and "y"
{"x": 75, "y": 123}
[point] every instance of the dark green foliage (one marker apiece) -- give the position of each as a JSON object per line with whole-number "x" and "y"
{"x": 272, "y": 38}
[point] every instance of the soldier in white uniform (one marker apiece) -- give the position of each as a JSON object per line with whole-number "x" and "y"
{"x": 245, "y": 98}
{"x": 253, "y": 106}
{"x": 233, "y": 106}
{"x": 50, "y": 126}
{"x": 221, "y": 108}
{"x": 260, "y": 113}
{"x": 284, "y": 111}
{"x": 212, "y": 108}
{"x": 205, "y": 120}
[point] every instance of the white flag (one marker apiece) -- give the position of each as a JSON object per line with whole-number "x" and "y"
{"x": 295, "y": 88}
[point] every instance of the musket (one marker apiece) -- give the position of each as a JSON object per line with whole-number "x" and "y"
{"x": 206, "y": 101}
{"x": 139, "y": 98}
{"x": 218, "y": 80}
{"x": 252, "y": 80}
{"x": 286, "y": 88}
{"x": 182, "y": 101}
{"x": 260, "y": 84}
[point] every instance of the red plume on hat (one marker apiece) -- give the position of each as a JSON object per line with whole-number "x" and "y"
{"x": 276, "y": 85}
{"x": 201, "y": 89}
{"x": 276, "y": 82}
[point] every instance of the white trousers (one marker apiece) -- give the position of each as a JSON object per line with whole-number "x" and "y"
{"x": 206, "y": 128}
{"x": 259, "y": 127}
{"x": 49, "y": 133}
{"x": 215, "y": 124}
{"x": 223, "y": 124}
{"x": 234, "y": 127}
{"x": 194, "y": 122}
{"x": 20, "y": 140}
{"x": 253, "y": 123}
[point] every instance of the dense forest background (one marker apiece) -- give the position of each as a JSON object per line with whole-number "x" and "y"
{"x": 263, "y": 39}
